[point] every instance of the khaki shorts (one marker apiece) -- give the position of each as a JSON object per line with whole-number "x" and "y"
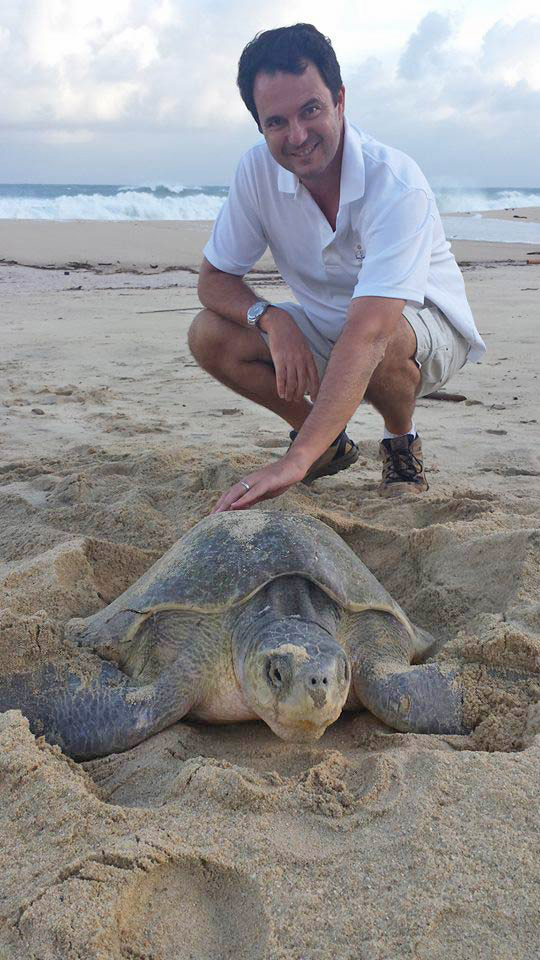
{"x": 440, "y": 350}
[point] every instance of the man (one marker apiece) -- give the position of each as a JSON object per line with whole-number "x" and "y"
{"x": 381, "y": 311}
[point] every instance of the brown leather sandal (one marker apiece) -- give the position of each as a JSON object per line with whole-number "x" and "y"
{"x": 339, "y": 456}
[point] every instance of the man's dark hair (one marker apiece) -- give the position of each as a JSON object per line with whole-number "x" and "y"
{"x": 287, "y": 49}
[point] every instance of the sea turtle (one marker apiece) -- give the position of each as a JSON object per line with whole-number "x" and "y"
{"x": 257, "y": 614}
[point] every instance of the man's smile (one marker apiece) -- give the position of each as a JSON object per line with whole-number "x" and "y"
{"x": 305, "y": 151}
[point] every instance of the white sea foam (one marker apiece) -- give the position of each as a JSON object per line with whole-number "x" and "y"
{"x": 157, "y": 185}
{"x": 174, "y": 201}
{"x": 458, "y": 200}
{"x": 127, "y": 204}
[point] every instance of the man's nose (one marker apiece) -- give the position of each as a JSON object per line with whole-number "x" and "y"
{"x": 297, "y": 133}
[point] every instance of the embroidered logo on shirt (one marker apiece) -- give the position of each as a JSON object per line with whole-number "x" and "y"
{"x": 358, "y": 252}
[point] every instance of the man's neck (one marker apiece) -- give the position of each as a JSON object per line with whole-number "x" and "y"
{"x": 325, "y": 189}
{"x": 327, "y": 185}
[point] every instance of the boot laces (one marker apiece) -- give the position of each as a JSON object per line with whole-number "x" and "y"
{"x": 401, "y": 465}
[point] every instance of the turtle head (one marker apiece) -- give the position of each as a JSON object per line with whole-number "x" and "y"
{"x": 295, "y": 676}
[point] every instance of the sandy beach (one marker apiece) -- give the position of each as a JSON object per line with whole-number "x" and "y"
{"x": 224, "y": 842}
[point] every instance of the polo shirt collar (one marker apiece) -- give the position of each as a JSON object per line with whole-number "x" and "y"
{"x": 352, "y": 169}
{"x": 353, "y": 175}
{"x": 288, "y": 182}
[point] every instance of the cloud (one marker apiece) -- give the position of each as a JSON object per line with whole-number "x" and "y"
{"x": 134, "y": 70}
{"x": 423, "y": 50}
{"x": 126, "y": 61}
{"x": 513, "y": 51}
{"x": 436, "y": 80}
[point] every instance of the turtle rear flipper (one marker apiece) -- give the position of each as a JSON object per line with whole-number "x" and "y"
{"x": 91, "y": 716}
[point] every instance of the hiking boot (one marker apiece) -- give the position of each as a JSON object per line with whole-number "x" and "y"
{"x": 340, "y": 455}
{"x": 403, "y": 466}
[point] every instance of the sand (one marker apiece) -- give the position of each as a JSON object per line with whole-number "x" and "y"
{"x": 217, "y": 842}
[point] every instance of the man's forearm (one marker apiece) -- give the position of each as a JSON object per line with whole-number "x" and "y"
{"x": 357, "y": 353}
{"x": 225, "y": 294}
{"x": 230, "y": 297}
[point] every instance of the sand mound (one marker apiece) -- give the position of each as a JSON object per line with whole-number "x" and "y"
{"x": 226, "y": 842}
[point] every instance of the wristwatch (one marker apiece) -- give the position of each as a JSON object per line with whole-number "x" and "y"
{"x": 256, "y": 311}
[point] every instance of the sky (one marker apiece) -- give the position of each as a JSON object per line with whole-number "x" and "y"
{"x": 144, "y": 91}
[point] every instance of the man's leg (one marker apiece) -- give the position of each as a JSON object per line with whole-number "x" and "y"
{"x": 241, "y": 360}
{"x": 395, "y": 382}
{"x": 392, "y": 390}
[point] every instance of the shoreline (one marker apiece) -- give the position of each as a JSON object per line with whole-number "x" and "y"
{"x": 152, "y": 246}
{"x": 532, "y": 214}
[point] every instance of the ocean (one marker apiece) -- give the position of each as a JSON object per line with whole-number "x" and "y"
{"x": 72, "y": 201}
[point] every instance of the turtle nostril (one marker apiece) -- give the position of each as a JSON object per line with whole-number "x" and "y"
{"x": 314, "y": 680}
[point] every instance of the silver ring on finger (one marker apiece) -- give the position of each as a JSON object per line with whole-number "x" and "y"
{"x": 244, "y": 484}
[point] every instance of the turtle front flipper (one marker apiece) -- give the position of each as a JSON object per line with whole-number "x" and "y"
{"x": 90, "y": 713}
{"x": 424, "y": 698}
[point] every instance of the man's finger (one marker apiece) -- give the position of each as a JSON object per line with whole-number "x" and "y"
{"x": 240, "y": 505}
{"x": 290, "y": 385}
{"x": 260, "y": 494}
{"x": 237, "y": 492}
{"x": 302, "y": 382}
{"x": 280, "y": 378}
{"x": 313, "y": 379}
{"x": 242, "y": 500}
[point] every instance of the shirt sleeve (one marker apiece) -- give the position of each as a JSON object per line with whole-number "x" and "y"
{"x": 397, "y": 249}
{"x": 238, "y": 239}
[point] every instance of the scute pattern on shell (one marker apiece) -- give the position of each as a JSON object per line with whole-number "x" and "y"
{"x": 228, "y": 557}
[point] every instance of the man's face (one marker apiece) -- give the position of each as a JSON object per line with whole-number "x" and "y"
{"x": 299, "y": 120}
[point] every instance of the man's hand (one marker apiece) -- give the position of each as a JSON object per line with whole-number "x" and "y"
{"x": 296, "y": 373}
{"x": 264, "y": 484}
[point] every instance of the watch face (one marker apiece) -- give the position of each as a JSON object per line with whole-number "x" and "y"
{"x": 256, "y": 310}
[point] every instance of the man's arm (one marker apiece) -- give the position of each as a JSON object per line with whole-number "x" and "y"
{"x": 224, "y": 293}
{"x": 370, "y": 323}
{"x": 230, "y": 297}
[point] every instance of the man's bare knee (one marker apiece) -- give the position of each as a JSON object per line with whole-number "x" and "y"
{"x": 398, "y": 369}
{"x": 215, "y": 341}
{"x": 205, "y": 335}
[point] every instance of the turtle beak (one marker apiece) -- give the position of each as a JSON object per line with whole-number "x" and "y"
{"x": 305, "y": 734}
{"x": 308, "y": 696}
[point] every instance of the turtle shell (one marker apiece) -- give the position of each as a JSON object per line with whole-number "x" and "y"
{"x": 226, "y": 558}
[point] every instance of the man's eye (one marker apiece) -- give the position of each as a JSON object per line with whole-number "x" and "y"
{"x": 310, "y": 110}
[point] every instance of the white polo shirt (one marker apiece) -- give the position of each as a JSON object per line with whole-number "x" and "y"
{"x": 389, "y": 240}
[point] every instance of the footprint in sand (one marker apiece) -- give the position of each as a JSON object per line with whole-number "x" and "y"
{"x": 120, "y": 905}
{"x": 193, "y": 909}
